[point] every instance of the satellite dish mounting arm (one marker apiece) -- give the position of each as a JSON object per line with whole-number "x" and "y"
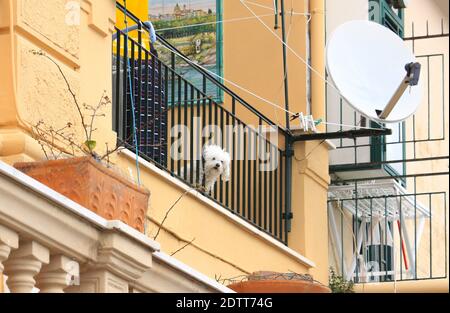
{"x": 411, "y": 79}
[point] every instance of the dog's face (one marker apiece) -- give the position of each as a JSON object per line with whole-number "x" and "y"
{"x": 217, "y": 162}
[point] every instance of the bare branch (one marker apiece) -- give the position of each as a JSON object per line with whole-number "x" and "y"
{"x": 183, "y": 247}
{"x": 170, "y": 209}
{"x": 40, "y": 53}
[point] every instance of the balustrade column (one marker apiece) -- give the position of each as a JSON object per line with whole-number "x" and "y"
{"x": 60, "y": 273}
{"x": 23, "y": 264}
{"x": 9, "y": 240}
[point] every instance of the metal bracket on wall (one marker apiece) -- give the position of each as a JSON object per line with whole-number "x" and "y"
{"x": 350, "y": 134}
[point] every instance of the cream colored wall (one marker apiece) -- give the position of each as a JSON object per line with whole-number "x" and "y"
{"x": 252, "y": 57}
{"x": 419, "y": 12}
{"x": 221, "y": 247}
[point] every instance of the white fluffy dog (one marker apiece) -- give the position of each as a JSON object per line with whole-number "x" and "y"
{"x": 215, "y": 162}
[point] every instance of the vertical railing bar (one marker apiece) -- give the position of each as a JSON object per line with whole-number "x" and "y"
{"x": 204, "y": 85}
{"x": 371, "y": 226}
{"x": 216, "y": 141}
{"x": 153, "y": 108}
{"x": 191, "y": 126}
{"x": 249, "y": 172}
{"x": 431, "y": 235}
{"x": 146, "y": 148}
{"x": 415, "y": 228}
{"x": 172, "y": 114}
{"x": 342, "y": 237}
{"x": 357, "y": 228}
{"x": 245, "y": 211}
{"x": 255, "y": 172}
{"x": 275, "y": 195}
{"x": 202, "y": 141}
{"x": 385, "y": 239}
{"x": 260, "y": 202}
{"x": 133, "y": 88}
{"x": 281, "y": 198}
{"x": 198, "y": 140}
{"x": 270, "y": 192}
{"x": 210, "y": 123}
{"x": 160, "y": 115}
{"x": 166, "y": 111}
{"x": 179, "y": 98}
{"x": 185, "y": 119}
{"x": 445, "y": 234}
{"x": 227, "y": 186}
{"x": 223, "y": 146}
{"x": 234, "y": 156}
{"x": 238, "y": 182}
{"x": 126, "y": 87}
{"x": 401, "y": 237}
{"x": 139, "y": 90}
{"x": 265, "y": 188}
{"x": 117, "y": 102}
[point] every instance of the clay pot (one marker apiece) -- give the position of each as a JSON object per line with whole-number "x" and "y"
{"x": 278, "y": 286}
{"x": 271, "y": 282}
{"x": 92, "y": 185}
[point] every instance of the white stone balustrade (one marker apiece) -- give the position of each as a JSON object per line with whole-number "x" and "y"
{"x": 51, "y": 243}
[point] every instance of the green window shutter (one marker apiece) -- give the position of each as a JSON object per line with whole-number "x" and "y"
{"x": 380, "y": 11}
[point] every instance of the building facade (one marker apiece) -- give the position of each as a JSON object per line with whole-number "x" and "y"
{"x": 271, "y": 213}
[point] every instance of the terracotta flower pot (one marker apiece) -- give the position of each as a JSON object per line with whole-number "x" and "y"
{"x": 93, "y": 186}
{"x": 278, "y": 286}
{"x": 272, "y": 282}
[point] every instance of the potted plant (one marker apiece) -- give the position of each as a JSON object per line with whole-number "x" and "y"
{"x": 338, "y": 284}
{"x": 273, "y": 282}
{"x": 79, "y": 173}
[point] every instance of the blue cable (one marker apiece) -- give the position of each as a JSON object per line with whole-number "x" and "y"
{"x": 132, "y": 99}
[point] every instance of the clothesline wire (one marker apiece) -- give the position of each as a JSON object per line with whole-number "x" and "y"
{"x": 258, "y": 17}
{"x": 295, "y": 53}
{"x": 272, "y": 9}
{"x": 254, "y": 94}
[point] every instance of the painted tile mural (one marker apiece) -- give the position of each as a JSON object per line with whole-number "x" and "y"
{"x": 191, "y": 26}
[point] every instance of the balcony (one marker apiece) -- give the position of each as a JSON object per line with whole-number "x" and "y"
{"x": 381, "y": 233}
{"x": 175, "y": 118}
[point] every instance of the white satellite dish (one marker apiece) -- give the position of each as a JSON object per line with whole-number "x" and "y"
{"x": 374, "y": 71}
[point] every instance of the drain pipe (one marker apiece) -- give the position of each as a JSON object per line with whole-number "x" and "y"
{"x": 285, "y": 67}
{"x": 308, "y": 59}
{"x": 289, "y": 149}
{"x": 317, "y": 33}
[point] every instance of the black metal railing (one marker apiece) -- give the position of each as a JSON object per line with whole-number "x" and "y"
{"x": 174, "y": 119}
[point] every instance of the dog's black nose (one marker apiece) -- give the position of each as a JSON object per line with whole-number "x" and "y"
{"x": 217, "y": 165}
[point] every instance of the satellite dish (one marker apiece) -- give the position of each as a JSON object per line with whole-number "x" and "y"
{"x": 374, "y": 71}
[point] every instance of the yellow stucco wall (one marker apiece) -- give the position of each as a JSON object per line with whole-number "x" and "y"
{"x": 31, "y": 89}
